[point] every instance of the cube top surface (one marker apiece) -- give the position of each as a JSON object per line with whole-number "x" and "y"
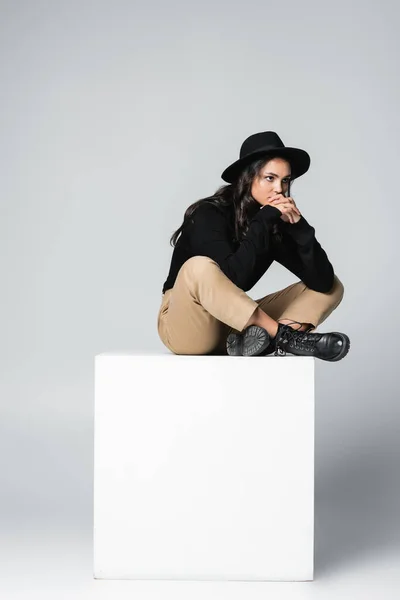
{"x": 170, "y": 355}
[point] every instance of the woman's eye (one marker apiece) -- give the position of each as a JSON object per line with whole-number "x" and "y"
{"x": 271, "y": 177}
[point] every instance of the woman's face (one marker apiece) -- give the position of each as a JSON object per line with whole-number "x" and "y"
{"x": 272, "y": 179}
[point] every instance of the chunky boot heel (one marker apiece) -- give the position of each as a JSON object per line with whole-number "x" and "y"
{"x": 253, "y": 341}
{"x": 234, "y": 344}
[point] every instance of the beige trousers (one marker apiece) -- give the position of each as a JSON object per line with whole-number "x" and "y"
{"x": 204, "y": 306}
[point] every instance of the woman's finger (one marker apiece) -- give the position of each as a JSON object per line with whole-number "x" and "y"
{"x": 282, "y": 200}
{"x": 294, "y": 208}
{"x": 291, "y": 212}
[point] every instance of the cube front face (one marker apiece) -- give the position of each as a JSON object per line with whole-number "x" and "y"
{"x": 204, "y": 468}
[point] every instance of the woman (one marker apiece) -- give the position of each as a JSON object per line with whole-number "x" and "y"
{"x": 227, "y": 242}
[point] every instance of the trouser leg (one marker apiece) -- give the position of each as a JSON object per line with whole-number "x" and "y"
{"x": 299, "y": 303}
{"x": 201, "y": 303}
{"x": 296, "y": 302}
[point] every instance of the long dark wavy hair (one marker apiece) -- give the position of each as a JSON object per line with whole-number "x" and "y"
{"x": 238, "y": 196}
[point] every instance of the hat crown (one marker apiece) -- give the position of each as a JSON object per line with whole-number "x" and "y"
{"x": 266, "y": 140}
{"x": 267, "y": 143}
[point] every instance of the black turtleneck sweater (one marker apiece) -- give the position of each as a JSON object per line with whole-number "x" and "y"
{"x": 209, "y": 232}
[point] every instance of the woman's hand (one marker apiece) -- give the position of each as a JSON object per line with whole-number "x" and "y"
{"x": 287, "y": 206}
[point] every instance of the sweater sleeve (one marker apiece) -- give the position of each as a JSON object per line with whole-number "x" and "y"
{"x": 210, "y": 235}
{"x": 302, "y": 254}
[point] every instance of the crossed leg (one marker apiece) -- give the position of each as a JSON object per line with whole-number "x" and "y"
{"x": 297, "y": 305}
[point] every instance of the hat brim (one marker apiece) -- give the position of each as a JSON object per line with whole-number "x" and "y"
{"x": 299, "y": 161}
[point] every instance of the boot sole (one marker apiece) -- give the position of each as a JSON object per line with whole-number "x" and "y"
{"x": 252, "y": 342}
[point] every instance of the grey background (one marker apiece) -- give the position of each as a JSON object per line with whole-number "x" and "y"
{"x": 115, "y": 116}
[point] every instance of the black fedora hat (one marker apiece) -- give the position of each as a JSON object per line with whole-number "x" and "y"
{"x": 267, "y": 143}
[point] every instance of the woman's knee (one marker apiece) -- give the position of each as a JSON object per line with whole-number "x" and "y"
{"x": 336, "y": 293}
{"x": 337, "y": 288}
{"x": 198, "y": 263}
{"x": 196, "y": 267}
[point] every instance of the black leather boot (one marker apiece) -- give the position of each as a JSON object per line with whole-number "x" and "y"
{"x": 252, "y": 341}
{"x": 326, "y": 346}
{"x": 271, "y": 348}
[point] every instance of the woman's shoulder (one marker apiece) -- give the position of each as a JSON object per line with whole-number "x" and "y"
{"x": 209, "y": 217}
{"x": 210, "y": 209}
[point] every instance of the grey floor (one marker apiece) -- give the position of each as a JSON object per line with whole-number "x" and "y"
{"x": 57, "y": 565}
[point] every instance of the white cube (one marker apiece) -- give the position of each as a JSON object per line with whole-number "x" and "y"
{"x": 203, "y": 467}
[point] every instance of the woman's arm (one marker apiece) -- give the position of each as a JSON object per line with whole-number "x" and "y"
{"x": 301, "y": 253}
{"x": 211, "y": 236}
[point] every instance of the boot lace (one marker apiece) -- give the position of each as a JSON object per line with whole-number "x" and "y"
{"x": 293, "y": 338}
